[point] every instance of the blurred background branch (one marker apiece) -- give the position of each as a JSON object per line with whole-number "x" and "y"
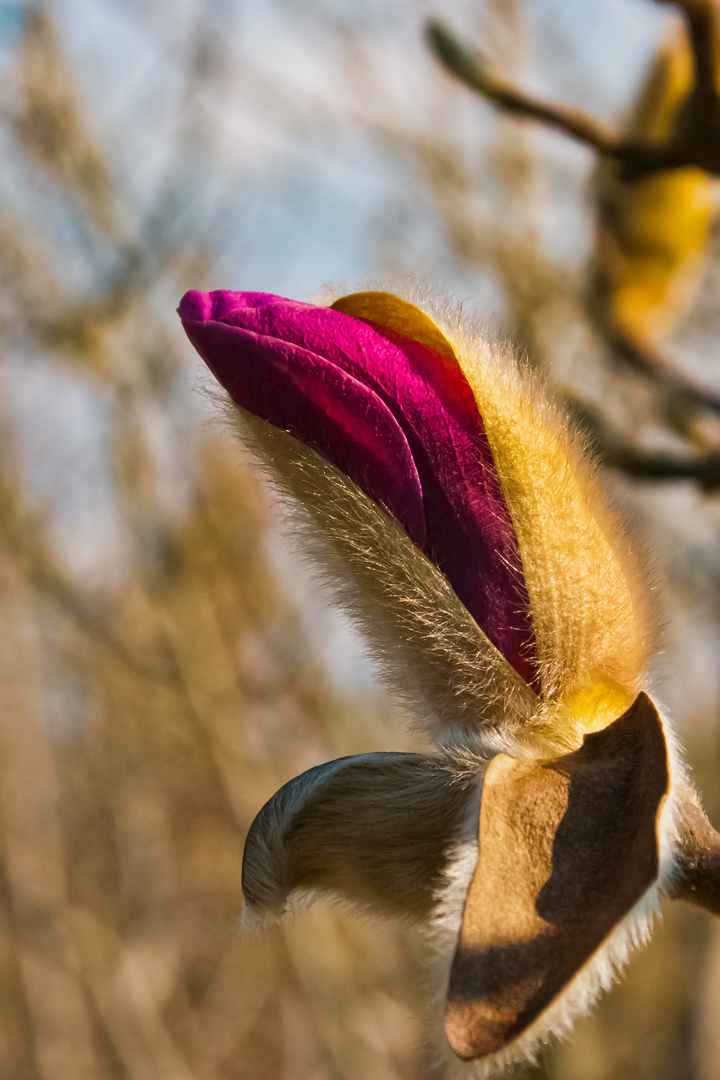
{"x": 655, "y": 200}
{"x": 694, "y": 141}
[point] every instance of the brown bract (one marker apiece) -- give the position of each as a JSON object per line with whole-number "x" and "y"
{"x": 566, "y": 848}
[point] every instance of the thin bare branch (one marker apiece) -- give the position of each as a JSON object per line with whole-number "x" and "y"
{"x": 648, "y": 359}
{"x": 696, "y": 140}
{"x": 698, "y": 851}
{"x": 619, "y": 453}
{"x": 703, "y": 30}
{"x": 470, "y": 68}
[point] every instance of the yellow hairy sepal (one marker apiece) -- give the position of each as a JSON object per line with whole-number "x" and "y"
{"x": 579, "y": 566}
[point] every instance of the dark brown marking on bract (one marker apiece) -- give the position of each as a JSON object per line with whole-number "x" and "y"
{"x": 566, "y": 848}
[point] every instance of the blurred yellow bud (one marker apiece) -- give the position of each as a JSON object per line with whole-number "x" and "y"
{"x": 653, "y": 229}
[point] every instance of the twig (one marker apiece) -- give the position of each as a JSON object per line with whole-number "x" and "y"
{"x": 703, "y": 25}
{"x": 696, "y": 141}
{"x": 696, "y": 135}
{"x": 646, "y": 358}
{"x": 619, "y": 453}
{"x": 470, "y": 68}
{"x": 698, "y": 852}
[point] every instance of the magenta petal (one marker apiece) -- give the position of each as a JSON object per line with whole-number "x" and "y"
{"x": 397, "y": 418}
{"x": 323, "y": 406}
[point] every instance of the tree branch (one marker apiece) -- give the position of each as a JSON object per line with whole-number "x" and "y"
{"x": 646, "y": 358}
{"x": 696, "y": 141}
{"x": 619, "y": 453}
{"x": 698, "y": 852}
{"x": 701, "y": 17}
{"x": 469, "y": 67}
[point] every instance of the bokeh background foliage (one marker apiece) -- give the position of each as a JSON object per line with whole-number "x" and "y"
{"x": 165, "y": 661}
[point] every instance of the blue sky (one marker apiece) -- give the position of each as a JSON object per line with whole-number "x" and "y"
{"x": 294, "y": 188}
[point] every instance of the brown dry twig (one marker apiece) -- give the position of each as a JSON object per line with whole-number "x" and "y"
{"x": 646, "y": 358}
{"x": 470, "y": 68}
{"x": 618, "y": 452}
{"x": 698, "y": 849}
{"x": 695, "y": 140}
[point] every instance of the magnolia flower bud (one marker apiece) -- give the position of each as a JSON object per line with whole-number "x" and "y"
{"x": 461, "y": 522}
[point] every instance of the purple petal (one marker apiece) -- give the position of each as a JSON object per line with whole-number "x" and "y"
{"x": 395, "y": 415}
{"x": 304, "y": 393}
